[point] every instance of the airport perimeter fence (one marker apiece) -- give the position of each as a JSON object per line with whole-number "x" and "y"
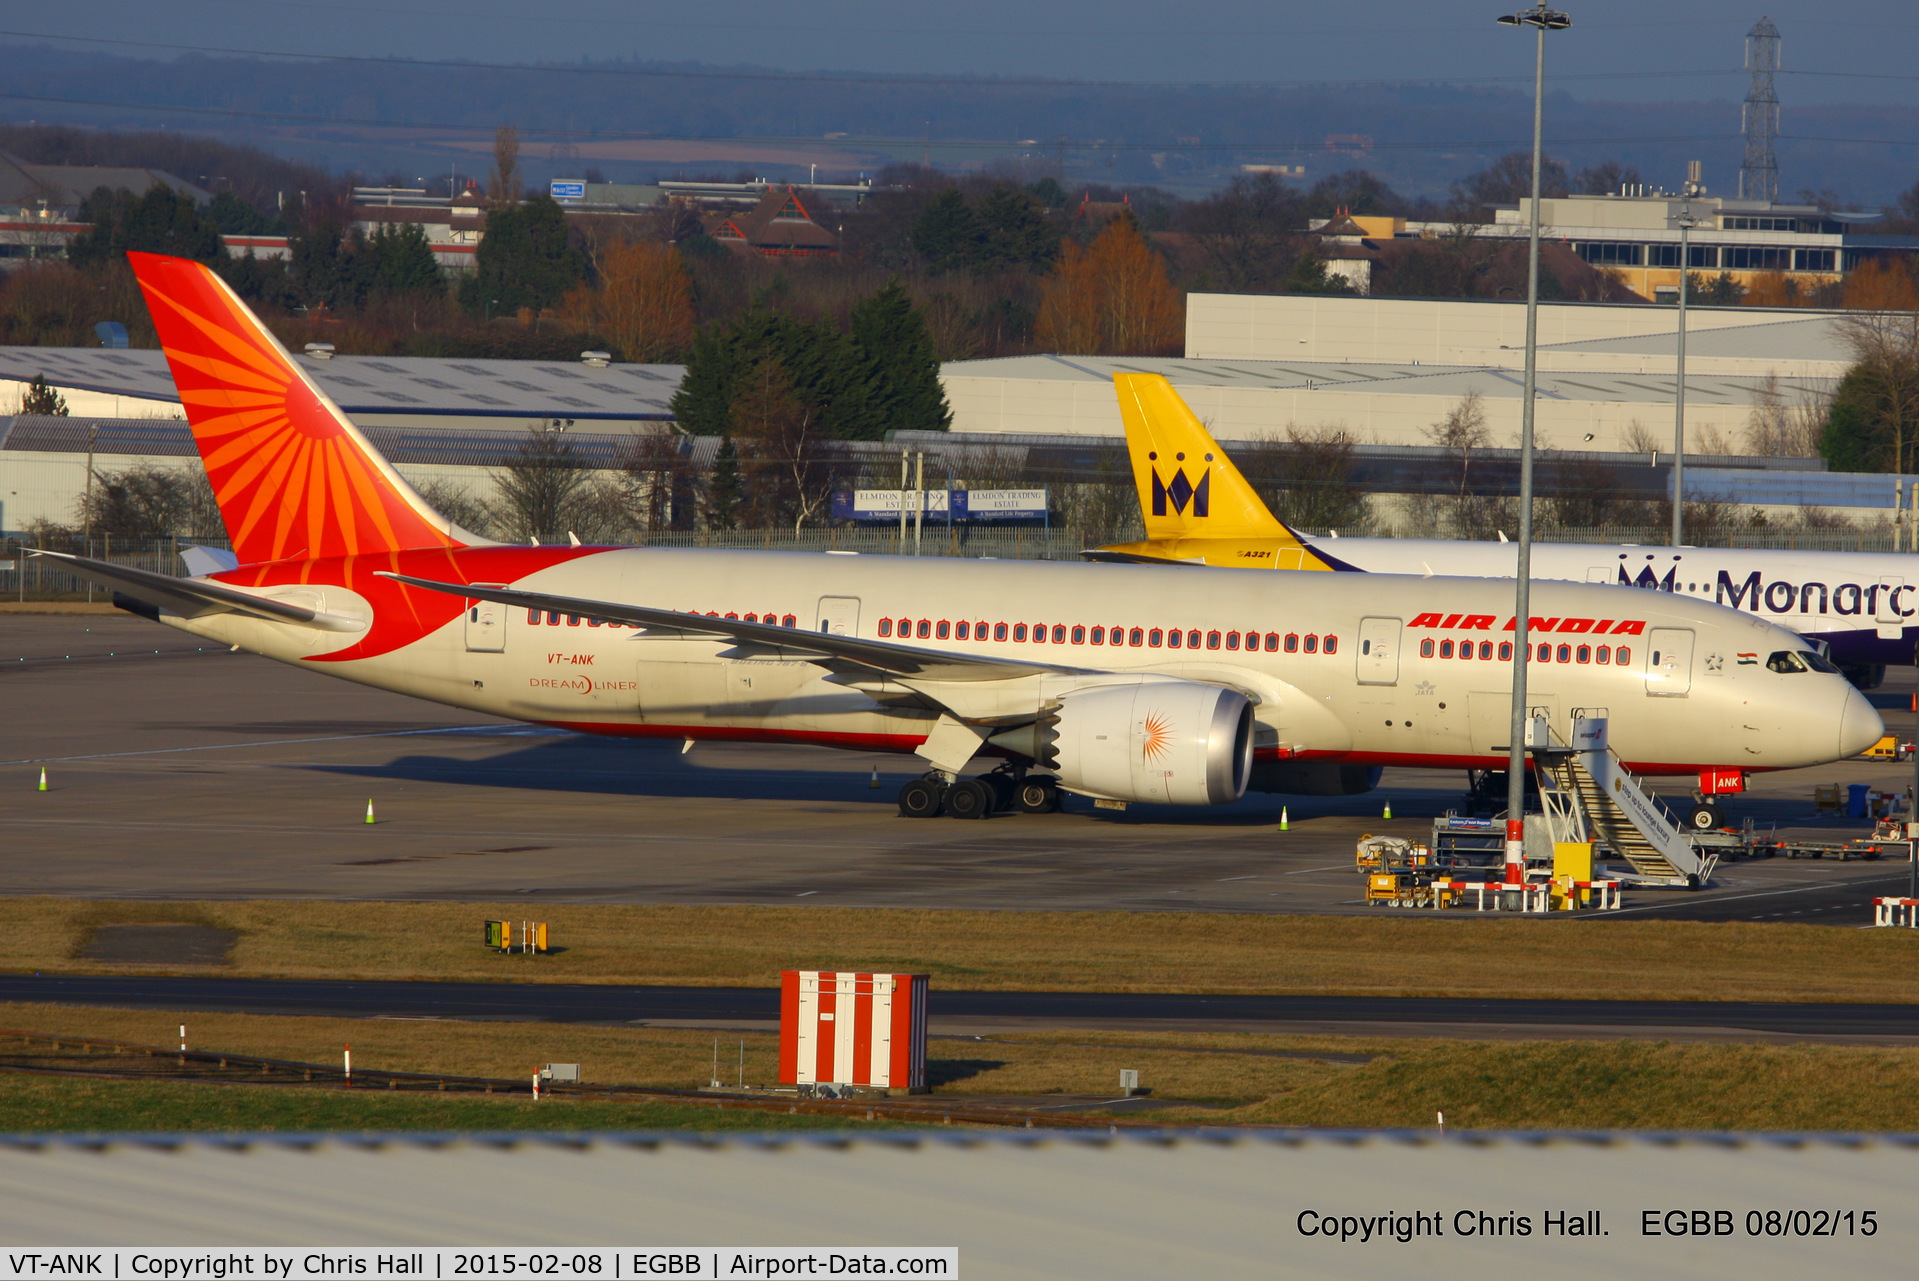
{"x": 25, "y": 577}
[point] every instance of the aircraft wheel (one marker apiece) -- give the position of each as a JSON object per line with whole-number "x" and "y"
{"x": 969, "y": 798}
{"x": 921, "y": 798}
{"x": 1703, "y": 817}
{"x": 1003, "y": 789}
{"x": 1037, "y": 795}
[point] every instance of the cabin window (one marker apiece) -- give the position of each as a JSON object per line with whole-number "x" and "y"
{"x": 1312, "y": 643}
{"x": 572, "y": 620}
{"x": 532, "y": 616}
{"x": 1332, "y": 644}
{"x": 1059, "y": 633}
{"x": 1565, "y": 653}
{"x": 1622, "y": 655}
{"x": 751, "y": 618}
{"x": 979, "y": 630}
{"x": 1153, "y": 638}
{"x": 924, "y": 628}
{"x": 906, "y": 627}
{"x": 1604, "y": 655}
{"x": 731, "y": 614}
{"x": 1175, "y": 638}
{"x": 1425, "y": 647}
{"x": 1232, "y": 640}
{"x": 1505, "y": 651}
{"x": 999, "y": 631}
{"x": 961, "y": 629}
{"x": 886, "y": 627}
{"x": 1545, "y": 653}
{"x": 1019, "y": 631}
{"x": 1136, "y": 637}
{"x": 552, "y": 618}
{"x": 1465, "y": 649}
{"x": 1585, "y": 653}
{"x": 788, "y": 621}
{"x": 1212, "y": 640}
{"x": 1292, "y": 642}
{"x": 1445, "y": 649}
{"x": 1079, "y": 636}
{"x": 943, "y": 631}
{"x": 1272, "y": 642}
{"x": 1099, "y": 636}
{"x": 1039, "y": 633}
{"x": 1486, "y": 649}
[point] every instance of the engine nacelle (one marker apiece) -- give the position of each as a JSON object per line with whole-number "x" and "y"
{"x": 1170, "y": 742}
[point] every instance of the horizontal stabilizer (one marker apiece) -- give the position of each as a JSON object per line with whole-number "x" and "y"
{"x": 196, "y": 598}
{"x": 878, "y": 656}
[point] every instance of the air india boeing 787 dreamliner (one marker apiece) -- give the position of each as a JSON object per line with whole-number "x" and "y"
{"x": 1121, "y": 683}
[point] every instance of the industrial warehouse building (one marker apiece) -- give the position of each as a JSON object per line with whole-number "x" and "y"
{"x": 1384, "y": 371}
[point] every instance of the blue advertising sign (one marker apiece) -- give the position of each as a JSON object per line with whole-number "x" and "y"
{"x": 566, "y": 189}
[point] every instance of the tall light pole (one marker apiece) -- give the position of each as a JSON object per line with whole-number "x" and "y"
{"x": 1686, "y": 223}
{"x": 1541, "y": 20}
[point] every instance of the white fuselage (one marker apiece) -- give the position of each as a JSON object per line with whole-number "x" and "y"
{"x": 1863, "y": 605}
{"x": 1345, "y": 679}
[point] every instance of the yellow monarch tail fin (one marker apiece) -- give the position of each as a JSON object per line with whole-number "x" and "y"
{"x": 1188, "y": 488}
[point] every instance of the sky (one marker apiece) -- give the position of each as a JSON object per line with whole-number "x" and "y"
{"x": 1628, "y": 50}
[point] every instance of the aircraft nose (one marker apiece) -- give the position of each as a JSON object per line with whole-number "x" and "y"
{"x": 1860, "y": 726}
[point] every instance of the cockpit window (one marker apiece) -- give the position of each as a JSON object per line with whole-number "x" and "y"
{"x": 1786, "y": 660}
{"x": 1819, "y": 662}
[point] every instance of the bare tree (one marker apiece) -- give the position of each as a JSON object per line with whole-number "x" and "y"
{"x": 1639, "y": 439}
{"x": 145, "y": 501}
{"x": 504, "y": 188}
{"x": 788, "y": 471}
{"x": 1784, "y": 428}
{"x": 538, "y": 486}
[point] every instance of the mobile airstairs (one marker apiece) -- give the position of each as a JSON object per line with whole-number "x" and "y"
{"x": 1589, "y": 795}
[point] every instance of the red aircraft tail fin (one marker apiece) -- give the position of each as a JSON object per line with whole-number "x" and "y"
{"x": 293, "y": 476}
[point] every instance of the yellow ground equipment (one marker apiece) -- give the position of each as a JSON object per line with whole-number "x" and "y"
{"x": 1391, "y": 854}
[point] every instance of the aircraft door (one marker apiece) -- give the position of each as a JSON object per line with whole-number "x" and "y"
{"x": 1887, "y": 610}
{"x": 1668, "y": 662}
{"x": 1378, "y": 652}
{"x": 485, "y": 627}
{"x": 839, "y": 615}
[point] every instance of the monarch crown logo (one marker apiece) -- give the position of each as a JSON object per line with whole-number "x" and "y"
{"x": 1181, "y": 492}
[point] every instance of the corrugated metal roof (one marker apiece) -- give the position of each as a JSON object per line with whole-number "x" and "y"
{"x": 1450, "y": 381}
{"x": 1812, "y": 338}
{"x": 1793, "y": 488}
{"x": 515, "y": 390}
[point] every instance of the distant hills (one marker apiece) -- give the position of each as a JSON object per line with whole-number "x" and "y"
{"x": 407, "y": 120}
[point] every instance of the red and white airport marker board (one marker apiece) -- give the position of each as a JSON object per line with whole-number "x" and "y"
{"x": 840, "y": 1027}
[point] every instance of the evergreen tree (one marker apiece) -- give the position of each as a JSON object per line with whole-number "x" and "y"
{"x": 42, "y": 400}
{"x": 323, "y": 270}
{"x": 723, "y": 490}
{"x": 158, "y": 222}
{"x": 401, "y": 260}
{"x": 898, "y": 353}
{"x": 525, "y": 260}
{"x": 949, "y": 235}
{"x": 1309, "y": 276}
{"x": 232, "y": 216}
{"x": 1017, "y": 232}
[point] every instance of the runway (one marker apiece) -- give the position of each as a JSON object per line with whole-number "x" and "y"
{"x": 194, "y": 773}
{"x": 951, "y": 1013}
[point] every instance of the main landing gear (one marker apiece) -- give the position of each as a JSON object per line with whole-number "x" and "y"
{"x": 1001, "y": 791}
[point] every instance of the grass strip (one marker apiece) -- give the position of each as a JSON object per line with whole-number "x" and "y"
{"x": 1033, "y": 951}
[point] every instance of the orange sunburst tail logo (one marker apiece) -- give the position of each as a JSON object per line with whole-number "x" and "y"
{"x": 293, "y": 476}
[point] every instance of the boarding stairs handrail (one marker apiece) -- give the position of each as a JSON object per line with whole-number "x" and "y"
{"x": 1619, "y": 810}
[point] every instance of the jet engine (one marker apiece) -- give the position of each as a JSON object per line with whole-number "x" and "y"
{"x": 1170, "y": 742}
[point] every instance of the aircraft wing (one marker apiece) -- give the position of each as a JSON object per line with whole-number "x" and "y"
{"x": 196, "y": 598}
{"x": 875, "y": 655}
